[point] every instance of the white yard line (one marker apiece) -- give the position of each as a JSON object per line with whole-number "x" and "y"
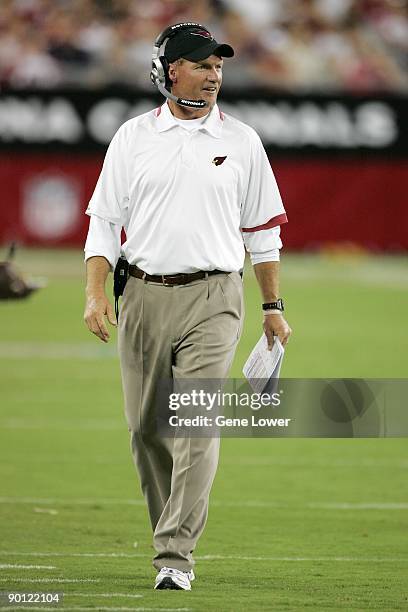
{"x": 85, "y": 609}
{"x": 77, "y": 424}
{"x": 320, "y": 505}
{"x": 366, "y": 505}
{"x": 396, "y": 462}
{"x": 51, "y": 511}
{"x": 56, "y": 350}
{"x": 210, "y": 557}
{"x": 74, "y": 501}
{"x": 307, "y": 559}
{"x": 50, "y": 580}
{"x": 60, "y": 554}
{"x": 128, "y": 595}
{"x": 10, "y": 566}
{"x": 358, "y": 505}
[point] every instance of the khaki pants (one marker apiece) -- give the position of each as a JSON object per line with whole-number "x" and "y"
{"x": 184, "y": 331}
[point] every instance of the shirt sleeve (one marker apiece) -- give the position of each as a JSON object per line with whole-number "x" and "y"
{"x": 264, "y": 245}
{"x": 111, "y": 196}
{"x": 262, "y": 206}
{"x": 103, "y": 240}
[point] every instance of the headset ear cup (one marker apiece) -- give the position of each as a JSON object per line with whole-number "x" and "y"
{"x": 157, "y": 73}
{"x": 153, "y": 74}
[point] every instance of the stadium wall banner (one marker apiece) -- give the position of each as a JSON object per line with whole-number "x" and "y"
{"x": 341, "y": 164}
{"x": 83, "y": 120}
{"x": 329, "y": 202}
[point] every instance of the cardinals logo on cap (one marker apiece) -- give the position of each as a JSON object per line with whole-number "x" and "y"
{"x": 202, "y": 33}
{"x": 217, "y": 161}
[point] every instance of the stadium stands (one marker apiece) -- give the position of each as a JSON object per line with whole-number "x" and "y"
{"x": 295, "y": 45}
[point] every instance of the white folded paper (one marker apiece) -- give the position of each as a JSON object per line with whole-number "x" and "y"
{"x": 262, "y": 367}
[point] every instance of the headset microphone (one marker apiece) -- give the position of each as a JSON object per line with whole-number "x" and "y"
{"x": 160, "y": 65}
{"x": 181, "y": 101}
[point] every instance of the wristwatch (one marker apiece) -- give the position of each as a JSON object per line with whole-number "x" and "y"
{"x": 278, "y": 305}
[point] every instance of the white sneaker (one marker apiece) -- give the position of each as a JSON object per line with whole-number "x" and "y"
{"x": 170, "y": 578}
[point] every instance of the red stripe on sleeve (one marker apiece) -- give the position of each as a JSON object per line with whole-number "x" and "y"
{"x": 278, "y": 220}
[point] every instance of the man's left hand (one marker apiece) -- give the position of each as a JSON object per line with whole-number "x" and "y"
{"x": 275, "y": 325}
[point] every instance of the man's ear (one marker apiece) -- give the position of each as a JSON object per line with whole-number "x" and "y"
{"x": 172, "y": 72}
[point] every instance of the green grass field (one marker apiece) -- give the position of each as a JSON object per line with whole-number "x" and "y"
{"x": 294, "y": 524}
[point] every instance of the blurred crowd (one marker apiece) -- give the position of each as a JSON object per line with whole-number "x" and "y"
{"x": 294, "y": 45}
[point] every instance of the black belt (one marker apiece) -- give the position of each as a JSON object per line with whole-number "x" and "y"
{"x": 172, "y": 279}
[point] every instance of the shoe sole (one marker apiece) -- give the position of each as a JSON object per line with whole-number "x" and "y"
{"x": 167, "y": 583}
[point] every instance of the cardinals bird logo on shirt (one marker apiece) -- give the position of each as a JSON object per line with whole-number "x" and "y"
{"x": 217, "y": 161}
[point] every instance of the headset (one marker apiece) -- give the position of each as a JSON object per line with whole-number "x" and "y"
{"x": 160, "y": 65}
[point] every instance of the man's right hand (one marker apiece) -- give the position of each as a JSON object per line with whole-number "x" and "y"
{"x": 96, "y": 308}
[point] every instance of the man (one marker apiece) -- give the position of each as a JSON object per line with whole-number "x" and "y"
{"x": 190, "y": 185}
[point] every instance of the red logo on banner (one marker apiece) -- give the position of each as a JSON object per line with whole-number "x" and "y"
{"x": 51, "y": 206}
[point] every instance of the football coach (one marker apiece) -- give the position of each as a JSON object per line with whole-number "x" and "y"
{"x": 192, "y": 187}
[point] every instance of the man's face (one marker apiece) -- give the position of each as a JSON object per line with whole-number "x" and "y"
{"x": 197, "y": 80}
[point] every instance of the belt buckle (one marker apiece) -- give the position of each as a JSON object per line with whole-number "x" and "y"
{"x": 166, "y": 277}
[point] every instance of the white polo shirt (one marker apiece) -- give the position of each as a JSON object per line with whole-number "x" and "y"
{"x": 188, "y": 199}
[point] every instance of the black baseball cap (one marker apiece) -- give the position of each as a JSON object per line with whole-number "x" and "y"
{"x": 195, "y": 45}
